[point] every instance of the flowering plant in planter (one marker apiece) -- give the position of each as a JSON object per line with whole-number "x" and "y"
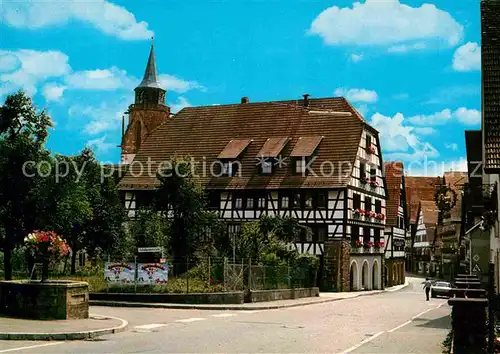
{"x": 359, "y": 243}
{"x": 380, "y": 244}
{"x": 371, "y": 214}
{"x": 368, "y": 244}
{"x": 359, "y": 212}
{"x": 371, "y": 149}
{"x": 380, "y": 216}
{"x": 373, "y": 183}
{"x": 46, "y": 246}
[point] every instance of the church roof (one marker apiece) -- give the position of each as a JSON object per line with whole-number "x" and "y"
{"x": 150, "y": 75}
{"x": 204, "y": 132}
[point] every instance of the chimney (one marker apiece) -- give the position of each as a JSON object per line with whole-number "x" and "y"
{"x": 306, "y": 100}
{"x": 244, "y": 100}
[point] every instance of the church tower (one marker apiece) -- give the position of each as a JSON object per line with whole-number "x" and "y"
{"x": 146, "y": 114}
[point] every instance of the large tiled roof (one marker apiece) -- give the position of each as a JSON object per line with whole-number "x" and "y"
{"x": 490, "y": 64}
{"x": 394, "y": 170}
{"x": 203, "y": 132}
{"x": 424, "y": 187}
{"x": 421, "y": 191}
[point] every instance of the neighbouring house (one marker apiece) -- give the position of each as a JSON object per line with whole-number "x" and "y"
{"x": 490, "y": 126}
{"x": 317, "y": 160}
{"x": 396, "y": 224}
{"x": 421, "y": 191}
{"x": 451, "y": 224}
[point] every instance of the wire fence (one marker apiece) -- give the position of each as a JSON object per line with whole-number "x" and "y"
{"x": 186, "y": 276}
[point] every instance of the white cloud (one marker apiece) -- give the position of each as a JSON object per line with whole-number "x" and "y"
{"x": 100, "y": 144}
{"x": 26, "y": 68}
{"x": 356, "y": 57}
{"x": 357, "y": 95}
{"x": 53, "y": 92}
{"x": 467, "y": 57}
{"x": 424, "y": 130}
{"x": 111, "y": 19}
{"x": 101, "y": 79}
{"x": 452, "y": 146}
{"x": 176, "y": 84}
{"x": 404, "y": 48}
{"x": 468, "y": 116}
{"x": 434, "y": 168}
{"x": 180, "y": 104}
{"x": 386, "y": 23}
{"x": 401, "y": 141}
{"x": 462, "y": 114}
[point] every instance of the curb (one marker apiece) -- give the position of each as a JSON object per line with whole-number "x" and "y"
{"x": 81, "y": 335}
{"x": 230, "y": 307}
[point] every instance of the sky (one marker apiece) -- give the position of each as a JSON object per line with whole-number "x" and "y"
{"x": 412, "y": 68}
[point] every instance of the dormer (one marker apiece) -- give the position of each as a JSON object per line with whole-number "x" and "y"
{"x": 303, "y": 151}
{"x": 228, "y": 157}
{"x": 269, "y": 155}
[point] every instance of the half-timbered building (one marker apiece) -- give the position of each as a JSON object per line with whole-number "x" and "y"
{"x": 317, "y": 160}
{"x": 396, "y": 224}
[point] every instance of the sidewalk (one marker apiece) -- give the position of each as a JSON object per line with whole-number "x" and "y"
{"x": 323, "y": 297}
{"x": 94, "y": 326}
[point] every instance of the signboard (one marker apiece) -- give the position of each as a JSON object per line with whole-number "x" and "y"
{"x": 149, "y": 249}
{"x": 476, "y": 269}
{"x": 476, "y": 258}
{"x": 119, "y": 272}
{"x": 152, "y": 273}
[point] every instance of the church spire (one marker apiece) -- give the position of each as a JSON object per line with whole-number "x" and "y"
{"x": 149, "y": 90}
{"x": 150, "y": 75}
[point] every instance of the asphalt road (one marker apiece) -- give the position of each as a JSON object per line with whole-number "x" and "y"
{"x": 397, "y": 322}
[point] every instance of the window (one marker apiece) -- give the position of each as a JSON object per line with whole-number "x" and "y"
{"x": 362, "y": 170}
{"x": 230, "y": 168}
{"x": 354, "y": 235}
{"x": 366, "y": 234}
{"x": 233, "y": 229}
{"x": 368, "y": 141}
{"x": 296, "y": 200}
{"x": 238, "y": 203}
{"x": 368, "y": 203}
{"x": 321, "y": 235}
{"x": 267, "y": 167}
{"x": 356, "y": 201}
{"x": 373, "y": 174}
{"x": 213, "y": 199}
{"x": 309, "y": 235}
{"x": 376, "y": 237}
{"x": 378, "y": 206}
{"x": 250, "y": 203}
{"x": 262, "y": 203}
{"x": 285, "y": 202}
{"x": 308, "y": 201}
{"x": 401, "y": 223}
{"x": 300, "y": 165}
{"x": 321, "y": 202}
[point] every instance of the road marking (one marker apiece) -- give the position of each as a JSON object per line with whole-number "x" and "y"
{"x": 253, "y": 311}
{"x": 423, "y": 313}
{"x": 398, "y": 327}
{"x": 224, "y": 315}
{"x": 191, "y": 320}
{"x": 30, "y": 347}
{"x": 151, "y": 326}
{"x": 353, "y": 348}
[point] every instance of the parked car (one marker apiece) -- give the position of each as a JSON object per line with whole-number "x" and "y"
{"x": 442, "y": 288}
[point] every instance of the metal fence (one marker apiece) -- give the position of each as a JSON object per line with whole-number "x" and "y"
{"x": 187, "y": 276}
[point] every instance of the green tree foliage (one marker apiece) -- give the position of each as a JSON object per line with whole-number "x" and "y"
{"x": 150, "y": 229}
{"x": 183, "y": 198}
{"x": 23, "y": 133}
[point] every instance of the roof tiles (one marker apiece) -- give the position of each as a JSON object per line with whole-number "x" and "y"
{"x": 394, "y": 171}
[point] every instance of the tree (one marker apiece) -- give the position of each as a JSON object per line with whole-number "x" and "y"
{"x": 23, "y": 133}
{"x": 183, "y": 200}
{"x": 150, "y": 229}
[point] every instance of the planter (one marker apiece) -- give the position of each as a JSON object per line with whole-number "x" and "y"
{"x": 48, "y": 300}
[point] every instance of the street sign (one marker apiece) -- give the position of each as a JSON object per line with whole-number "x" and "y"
{"x": 476, "y": 258}
{"x": 476, "y": 269}
{"x": 149, "y": 249}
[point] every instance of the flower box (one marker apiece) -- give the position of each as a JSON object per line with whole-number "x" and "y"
{"x": 373, "y": 183}
{"x": 380, "y": 244}
{"x": 368, "y": 244}
{"x": 371, "y": 149}
{"x": 46, "y": 246}
{"x": 358, "y": 213}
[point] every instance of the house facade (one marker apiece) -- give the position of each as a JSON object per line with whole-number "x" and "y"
{"x": 396, "y": 224}
{"x": 316, "y": 160}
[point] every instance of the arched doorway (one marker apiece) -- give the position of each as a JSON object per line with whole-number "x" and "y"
{"x": 375, "y": 276}
{"x": 354, "y": 279}
{"x": 365, "y": 276}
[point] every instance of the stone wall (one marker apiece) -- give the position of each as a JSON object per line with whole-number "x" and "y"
{"x": 281, "y": 294}
{"x": 336, "y": 265}
{"x": 236, "y": 297}
{"x": 56, "y": 300}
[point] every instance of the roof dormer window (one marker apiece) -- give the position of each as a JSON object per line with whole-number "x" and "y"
{"x": 230, "y": 166}
{"x": 303, "y": 151}
{"x": 269, "y": 155}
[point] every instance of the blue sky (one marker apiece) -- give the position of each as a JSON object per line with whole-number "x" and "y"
{"x": 411, "y": 67}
